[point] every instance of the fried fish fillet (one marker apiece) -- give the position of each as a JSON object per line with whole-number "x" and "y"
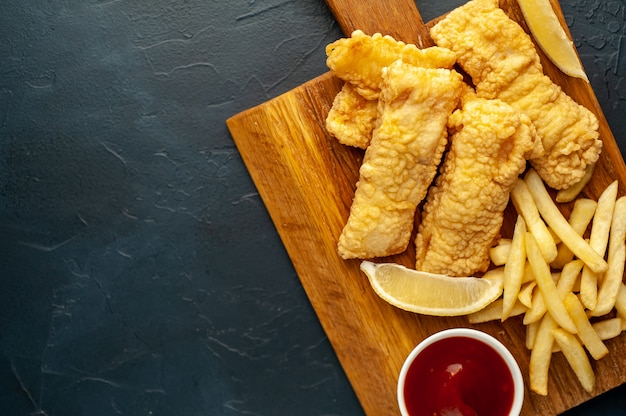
{"x": 401, "y": 160}
{"x": 503, "y": 63}
{"x": 352, "y": 118}
{"x": 464, "y": 211}
{"x": 360, "y": 59}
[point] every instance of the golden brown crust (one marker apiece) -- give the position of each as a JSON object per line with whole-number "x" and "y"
{"x": 352, "y": 118}
{"x": 402, "y": 159}
{"x": 503, "y": 63}
{"x": 465, "y": 209}
{"x": 360, "y": 59}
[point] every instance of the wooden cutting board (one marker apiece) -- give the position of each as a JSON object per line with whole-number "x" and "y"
{"x": 307, "y": 180}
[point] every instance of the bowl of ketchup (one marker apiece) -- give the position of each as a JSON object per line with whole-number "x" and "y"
{"x": 460, "y": 372}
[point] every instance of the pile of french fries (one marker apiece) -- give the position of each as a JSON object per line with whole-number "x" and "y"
{"x": 565, "y": 286}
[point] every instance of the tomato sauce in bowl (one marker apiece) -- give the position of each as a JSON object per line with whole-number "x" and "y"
{"x": 460, "y": 372}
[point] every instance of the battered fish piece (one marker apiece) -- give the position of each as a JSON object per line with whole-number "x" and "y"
{"x": 360, "y": 59}
{"x": 352, "y": 118}
{"x": 503, "y": 63}
{"x": 464, "y": 211}
{"x": 402, "y": 159}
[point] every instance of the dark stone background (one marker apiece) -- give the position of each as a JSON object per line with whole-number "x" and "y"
{"x": 141, "y": 274}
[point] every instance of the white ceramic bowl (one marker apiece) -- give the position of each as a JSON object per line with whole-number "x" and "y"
{"x": 516, "y": 374}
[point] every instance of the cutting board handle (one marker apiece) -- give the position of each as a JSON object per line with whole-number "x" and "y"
{"x": 402, "y": 19}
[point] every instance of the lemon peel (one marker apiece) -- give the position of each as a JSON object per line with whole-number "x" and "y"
{"x": 432, "y": 294}
{"x": 547, "y": 31}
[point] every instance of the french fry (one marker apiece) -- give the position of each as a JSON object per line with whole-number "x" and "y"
{"x": 538, "y": 305}
{"x": 528, "y": 272}
{"x": 499, "y": 253}
{"x": 556, "y": 239}
{"x": 531, "y": 334}
{"x": 620, "y": 301}
{"x": 552, "y": 299}
{"x": 589, "y": 288}
{"x": 541, "y": 355}
{"x": 568, "y": 277}
{"x": 609, "y": 328}
{"x": 554, "y": 218}
{"x": 576, "y": 357}
{"x": 526, "y": 207}
{"x": 567, "y": 195}
{"x": 493, "y": 312}
{"x": 609, "y": 286}
{"x": 494, "y": 274}
{"x": 514, "y": 268}
{"x": 579, "y": 219}
{"x": 525, "y": 295}
{"x": 564, "y": 285}
{"x": 598, "y": 240}
{"x": 588, "y": 336}
{"x": 537, "y": 308}
{"x": 566, "y": 327}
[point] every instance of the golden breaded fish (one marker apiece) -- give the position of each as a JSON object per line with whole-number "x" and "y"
{"x": 352, "y": 118}
{"x": 360, "y": 59}
{"x": 401, "y": 160}
{"x": 503, "y": 63}
{"x": 464, "y": 211}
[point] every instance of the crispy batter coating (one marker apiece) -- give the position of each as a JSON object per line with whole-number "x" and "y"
{"x": 464, "y": 211}
{"x": 402, "y": 159}
{"x": 360, "y": 59}
{"x": 503, "y": 63}
{"x": 352, "y": 118}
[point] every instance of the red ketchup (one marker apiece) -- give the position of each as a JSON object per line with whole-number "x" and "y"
{"x": 458, "y": 376}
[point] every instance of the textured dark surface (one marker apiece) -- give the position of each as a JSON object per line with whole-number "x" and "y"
{"x": 141, "y": 274}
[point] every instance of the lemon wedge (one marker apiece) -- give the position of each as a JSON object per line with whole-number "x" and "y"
{"x": 551, "y": 37}
{"x": 432, "y": 294}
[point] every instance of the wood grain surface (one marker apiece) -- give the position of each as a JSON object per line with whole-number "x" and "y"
{"x": 307, "y": 180}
